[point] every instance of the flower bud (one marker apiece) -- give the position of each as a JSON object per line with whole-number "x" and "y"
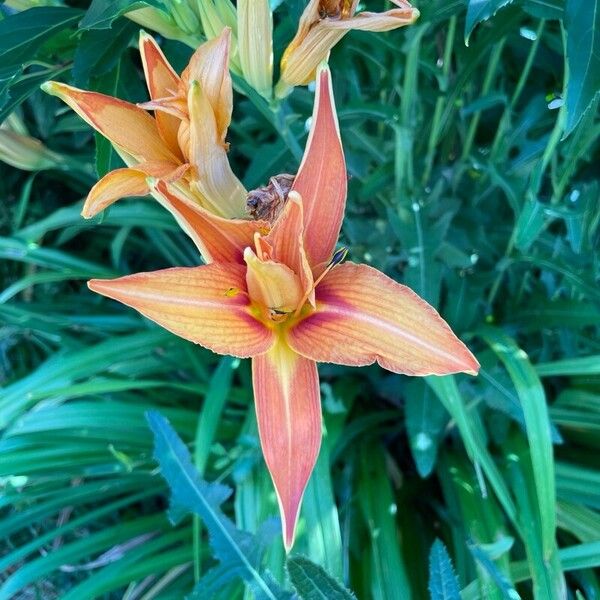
{"x": 157, "y": 20}
{"x": 255, "y": 44}
{"x": 26, "y": 153}
{"x": 215, "y": 15}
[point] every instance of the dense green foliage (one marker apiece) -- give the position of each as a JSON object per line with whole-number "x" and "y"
{"x": 472, "y": 181}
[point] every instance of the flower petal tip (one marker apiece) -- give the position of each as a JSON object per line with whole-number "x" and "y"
{"x": 290, "y": 512}
{"x": 97, "y": 285}
{"x": 51, "y": 87}
{"x": 473, "y": 367}
{"x": 294, "y": 197}
{"x": 323, "y": 67}
{"x": 289, "y": 536}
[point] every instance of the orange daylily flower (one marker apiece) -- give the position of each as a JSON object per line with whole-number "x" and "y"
{"x": 292, "y": 303}
{"x": 179, "y": 155}
{"x": 322, "y": 25}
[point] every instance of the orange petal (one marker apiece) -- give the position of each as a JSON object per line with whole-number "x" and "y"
{"x": 207, "y": 305}
{"x": 363, "y": 316}
{"x": 175, "y": 106}
{"x": 122, "y": 183}
{"x": 286, "y": 240}
{"x": 271, "y": 284}
{"x": 209, "y": 66}
{"x": 162, "y": 82}
{"x": 317, "y": 35}
{"x": 300, "y": 60}
{"x": 321, "y": 180}
{"x": 219, "y": 240}
{"x": 123, "y": 123}
{"x": 288, "y": 411}
{"x": 405, "y": 14}
{"x": 214, "y": 179}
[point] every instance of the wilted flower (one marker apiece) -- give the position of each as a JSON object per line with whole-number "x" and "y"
{"x": 322, "y": 25}
{"x": 289, "y": 302}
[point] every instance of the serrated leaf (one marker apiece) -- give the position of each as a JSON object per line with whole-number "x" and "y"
{"x": 481, "y": 10}
{"x": 239, "y": 552}
{"x": 582, "y": 20}
{"x": 443, "y": 584}
{"x": 313, "y": 583}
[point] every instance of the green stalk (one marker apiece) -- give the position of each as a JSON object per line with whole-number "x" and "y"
{"x": 505, "y": 119}
{"x": 434, "y": 133}
{"x": 559, "y": 126}
{"x": 404, "y": 159}
{"x": 487, "y": 84}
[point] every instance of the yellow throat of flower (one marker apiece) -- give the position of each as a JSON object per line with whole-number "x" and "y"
{"x": 272, "y": 286}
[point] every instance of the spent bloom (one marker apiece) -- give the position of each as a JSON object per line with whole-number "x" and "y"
{"x": 322, "y": 25}
{"x": 291, "y": 301}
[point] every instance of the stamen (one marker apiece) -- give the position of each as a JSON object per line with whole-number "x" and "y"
{"x": 336, "y": 259}
{"x": 257, "y": 245}
{"x": 232, "y": 292}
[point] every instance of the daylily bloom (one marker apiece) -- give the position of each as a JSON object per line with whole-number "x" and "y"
{"x": 322, "y": 25}
{"x": 180, "y": 154}
{"x": 291, "y": 303}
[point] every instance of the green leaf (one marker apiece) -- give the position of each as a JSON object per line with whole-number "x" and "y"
{"x": 240, "y": 552}
{"x": 472, "y": 436}
{"x": 582, "y": 22}
{"x": 584, "y": 365}
{"x": 20, "y": 87}
{"x": 99, "y": 51}
{"x": 425, "y": 419}
{"x": 22, "y": 34}
{"x": 443, "y": 583}
{"x": 481, "y": 10}
{"x": 537, "y": 422}
{"x": 388, "y": 576}
{"x": 321, "y": 516}
{"x": 529, "y": 225}
{"x": 545, "y": 9}
{"x": 482, "y": 103}
{"x": 313, "y": 583}
{"x": 481, "y": 554}
{"x": 102, "y": 13}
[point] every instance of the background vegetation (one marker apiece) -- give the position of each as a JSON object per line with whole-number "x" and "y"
{"x": 464, "y": 185}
